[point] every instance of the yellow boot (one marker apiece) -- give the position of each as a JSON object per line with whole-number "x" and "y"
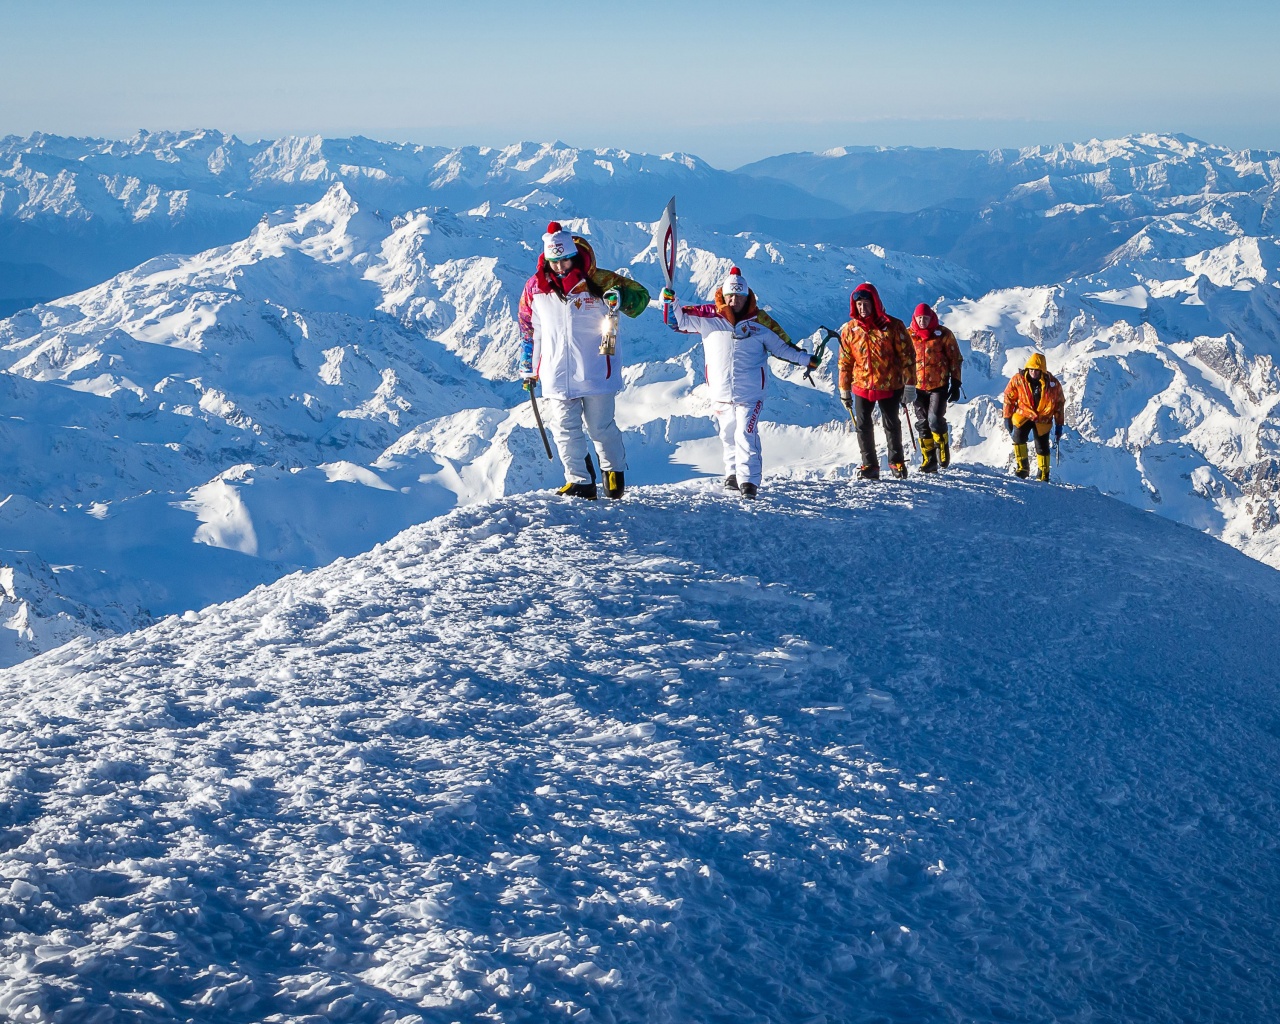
{"x": 1042, "y": 464}
{"x": 1021, "y": 461}
{"x": 928, "y": 454}
{"x": 943, "y": 442}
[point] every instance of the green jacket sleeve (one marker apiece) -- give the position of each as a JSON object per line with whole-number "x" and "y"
{"x": 635, "y": 297}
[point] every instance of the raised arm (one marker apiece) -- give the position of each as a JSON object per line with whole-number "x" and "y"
{"x": 701, "y": 319}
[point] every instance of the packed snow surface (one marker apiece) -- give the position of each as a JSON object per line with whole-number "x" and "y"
{"x": 956, "y": 750}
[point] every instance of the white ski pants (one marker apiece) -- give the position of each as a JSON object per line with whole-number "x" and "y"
{"x": 565, "y": 418}
{"x": 740, "y": 436}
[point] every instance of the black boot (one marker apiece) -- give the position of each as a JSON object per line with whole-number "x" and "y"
{"x": 614, "y": 484}
{"x": 749, "y": 490}
{"x": 871, "y": 472}
{"x": 573, "y": 489}
{"x": 731, "y": 482}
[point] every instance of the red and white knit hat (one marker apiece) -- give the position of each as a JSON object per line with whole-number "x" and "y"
{"x": 734, "y": 284}
{"x": 557, "y": 243}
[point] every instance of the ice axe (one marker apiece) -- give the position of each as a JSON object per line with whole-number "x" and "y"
{"x": 820, "y": 351}
{"x": 906, "y": 415}
{"x": 538, "y": 419}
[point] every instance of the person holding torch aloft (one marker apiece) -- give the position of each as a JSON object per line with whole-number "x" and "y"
{"x": 738, "y": 337}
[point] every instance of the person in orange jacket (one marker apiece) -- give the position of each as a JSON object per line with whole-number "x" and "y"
{"x": 1033, "y": 405}
{"x": 877, "y": 367}
{"x": 938, "y": 362}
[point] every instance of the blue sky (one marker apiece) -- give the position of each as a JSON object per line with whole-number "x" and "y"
{"x": 729, "y": 81}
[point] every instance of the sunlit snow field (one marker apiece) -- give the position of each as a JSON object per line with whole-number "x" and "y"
{"x": 950, "y": 750}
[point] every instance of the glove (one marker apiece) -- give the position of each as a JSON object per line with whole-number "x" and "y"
{"x": 909, "y": 395}
{"x": 813, "y": 363}
{"x": 1057, "y": 436}
{"x": 668, "y": 296}
{"x": 953, "y": 395}
{"x": 1008, "y": 424}
{"x": 612, "y": 299}
{"x": 530, "y": 383}
{"x": 846, "y": 399}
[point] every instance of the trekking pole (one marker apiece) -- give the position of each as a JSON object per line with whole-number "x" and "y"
{"x": 541, "y": 429}
{"x": 1057, "y": 452}
{"x": 910, "y": 428}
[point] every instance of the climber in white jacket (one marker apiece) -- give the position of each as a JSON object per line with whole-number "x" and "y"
{"x": 737, "y": 339}
{"x": 564, "y": 308}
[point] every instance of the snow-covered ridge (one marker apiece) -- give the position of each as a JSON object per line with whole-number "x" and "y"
{"x": 1037, "y": 216}
{"x": 80, "y": 210}
{"x": 540, "y": 761}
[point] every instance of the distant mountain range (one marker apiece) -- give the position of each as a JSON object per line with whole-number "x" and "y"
{"x": 75, "y": 211}
{"x": 1034, "y": 216}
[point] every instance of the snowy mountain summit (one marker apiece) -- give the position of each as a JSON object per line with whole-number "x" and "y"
{"x": 946, "y": 751}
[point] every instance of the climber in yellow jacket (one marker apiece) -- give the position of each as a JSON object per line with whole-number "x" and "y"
{"x": 1033, "y": 405}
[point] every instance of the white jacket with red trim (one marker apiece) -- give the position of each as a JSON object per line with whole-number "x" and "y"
{"x": 566, "y": 346}
{"x": 736, "y": 354}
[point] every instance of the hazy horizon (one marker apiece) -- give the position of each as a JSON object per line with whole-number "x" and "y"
{"x": 730, "y": 84}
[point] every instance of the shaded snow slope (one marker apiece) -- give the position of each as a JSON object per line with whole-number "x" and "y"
{"x": 970, "y": 750}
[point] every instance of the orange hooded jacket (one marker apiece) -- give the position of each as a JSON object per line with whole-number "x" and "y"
{"x": 937, "y": 353}
{"x": 876, "y": 355}
{"x": 1020, "y": 404}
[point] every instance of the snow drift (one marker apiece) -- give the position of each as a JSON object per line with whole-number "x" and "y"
{"x": 969, "y": 749}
